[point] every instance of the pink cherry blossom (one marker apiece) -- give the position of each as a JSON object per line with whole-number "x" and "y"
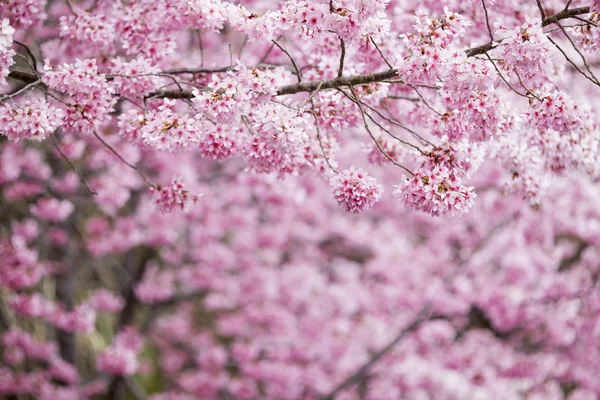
{"x": 355, "y": 190}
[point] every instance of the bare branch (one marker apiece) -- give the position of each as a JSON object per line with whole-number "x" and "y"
{"x": 71, "y": 165}
{"x": 341, "y": 68}
{"x": 542, "y": 13}
{"x": 564, "y": 14}
{"x": 299, "y": 74}
{"x": 112, "y": 150}
{"x": 362, "y": 111}
{"x": 380, "y": 52}
{"x": 487, "y": 21}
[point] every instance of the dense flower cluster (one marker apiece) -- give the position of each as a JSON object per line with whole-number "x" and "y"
{"x": 21, "y": 268}
{"x": 588, "y": 36}
{"x": 173, "y": 196}
{"x": 23, "y": 13}
{"x": 137, "y": 77}
{"x": 6, "y": 53}
{"x": 437, "y": 192}
{"x": 121, "y": 357}
{"x": 232, "y": 94}
{"x": 220, "y": 142}
{"x": 81, "y": 319}
{"x": 355, "y": 190}
{"x": 91, "y": 96}
{"x": 52, "y": 210}
{"x": 278, "y": 139}
{"x": 33, "y": 120}
{"x": 525, "y": 53}
{"x": 163, "y": 128}
{"x": 88, "y": 28}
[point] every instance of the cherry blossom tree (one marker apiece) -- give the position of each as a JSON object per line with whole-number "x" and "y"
{"x": 299, "y": 199}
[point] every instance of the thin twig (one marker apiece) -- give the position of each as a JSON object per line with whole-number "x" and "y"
{"x": 341, "y": 68}
{"x": 381, "y": 126}
{"x": 299, "y": 74}
{"x": 487, "y": 20}
{"x": 504, "y": 79}
{"x": 112, "y": 150}
{"x": 24, "y": 88}
{"x": 81, "y": 177}
{"x": 362, "y": 111}
{"x": 29, "y": 52}
{"x": 571, "y": 61}
{"x": 585, "y": 63}
{"x": 381, "y": 53}
{"x": 424, "y": 101}
{"x": 312, "y": 102}
{"x": 539, "y": 4}
{"x": 568, "y": 4}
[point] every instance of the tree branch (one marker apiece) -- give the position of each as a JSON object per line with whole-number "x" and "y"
{"x": 335, "y": 83}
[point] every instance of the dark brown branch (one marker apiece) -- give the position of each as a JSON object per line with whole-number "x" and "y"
{"x": 337, "y": 82}
{"x": 22, "y": 75}
{"x": 487, "y": 21}
{"x": 564, "y": 14}
{"x": 298, "y": 73}
{"x": 342, "y": 57}
{"x": 541, "y": 8}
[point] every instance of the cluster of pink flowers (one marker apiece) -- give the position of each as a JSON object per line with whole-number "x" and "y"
{"x": 34, "y": 119}
{"x": 427, "y": 49}
{"x": 162, "y": 128}
{"x": 220, "y": 142}
{"x": 21, "y": 268}
{"x": 437, "y": 192}
{"x": 390, "y": 146}
{"x": 156, "y": 285}
{"x": 562, "y": 151}
{"x": 6, "y": 53}
{"x": 478, "y": 118}
{"x": 91, "y": 95}
{"x": 525, "y": 53}
{"x": 121, "y": 357}
{"x": 275, "y": 285}
{"x": 88, "y": 28}
{"x": 23, "y": 345}
{"x": 556, "y": 111}
{"x": 173, "y": 196}
{"x": 257, "y": 27}
{"x": 52, "y": 209}
{"x": 463, "y": 157}
{"x": 105, "y": 239}
{"x": 355, "y": 190}
{"x": 81, "y": 319}
{"x": 587, "y": 36}
{"x": 23, "y": 13}
{"x": 355, "y": 20}
{"x": 525, "y": 163}
{"x": 231, "y": 94}
{"x": 105, "y": 300}
{"x": 209, "y": 15}
{"x": 279, "y": 139}
{"x": 144, "y": 28}
{"x": 130, "y": 85}
{"x": 317, "y": 150}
